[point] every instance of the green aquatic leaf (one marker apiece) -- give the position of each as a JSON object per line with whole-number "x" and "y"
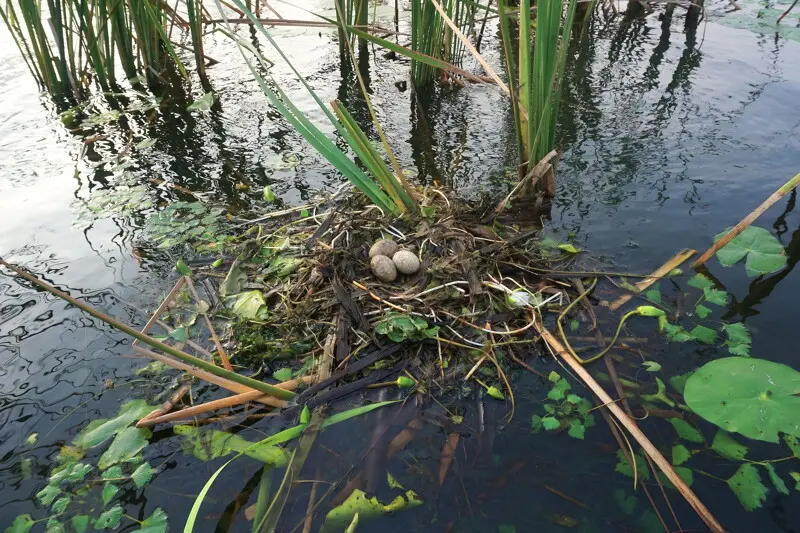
{"x": 715, "y": 296}
{"x": 796, "y": 477}
{"x": 126, "y": 445}
{"x": 686, "y": 431}
{"x": 576, "y": 429}
{"x": 80, "y": 523}
{"x": 155, "y": 523}
{"x": 726, "y": 446}
{"x": 574, "y": 399}
{"x": 203, "y": 103}
{"x": 367, "y": 508}
{"x": 559, "y": 390}
{"x": 624, "y": 467}
{"x": 69, "y": 472}
{"x": 702, "y": 311}
{"x": 626, "y": 502}
{"x": 249, "y": 305}
{"x": 47, "y": 495}
{"x": 60, "y": 505}
{"x": 550, "y": 423}
{"x": 574, "y": 325}
{"x": 679, "y": 382}
{"x": 651, "y": 366}
{"x": 763, "y": 253}
{"x": 180, "y": 334}
{"x": 569, "y": 248}
{"x": 283, "y": 374}
{"x": 776, "y": 479}
{"x": 738, "y": 333}
{"x": 683, "y": 472}
{"x": 21, "y": 524}
{"x": 54, "y": 526}
{"x": 754, "y": 397}
{"x": 109, "y": 519}
{"x": 677, "y": 333}
{"x": 649, "y": 311}
{"x": 747, "y": 486}
{"x": 109, "y": 491}
{"x": 793, "y": 445}
{"x": 210, "y": 444}
{"x": 654, "y": 294}
{"x": 553, "y": 376}
{"x": 269, "y": 196}
{"x": 495, "y": 393}
{"x": 536, "y": 423}
{"x": 680, "y": 454}
{"x": 115, "y": 472}
{"x": 742, "y": 350}
{"x": 704, "y": 334}
{"x": 98, "y": 431}
{"x": 142, "y": 475}
{"x": 699, "y": 281}
{"x": 282, "y": 266}
{"x": 182, "y": 268}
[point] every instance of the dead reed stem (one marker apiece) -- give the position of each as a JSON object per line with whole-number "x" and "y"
{"x": 673, "y": 263}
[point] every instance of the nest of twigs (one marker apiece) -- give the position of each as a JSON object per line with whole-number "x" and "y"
{"x": 472, "y": 303}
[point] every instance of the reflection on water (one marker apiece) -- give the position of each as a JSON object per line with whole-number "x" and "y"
{"x": 670, "y": 134}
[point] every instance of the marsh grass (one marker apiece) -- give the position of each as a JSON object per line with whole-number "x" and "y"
{"x": 430, "y": 35}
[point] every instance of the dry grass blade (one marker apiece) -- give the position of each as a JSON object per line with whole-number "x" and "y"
{"x": 674, "y": 262}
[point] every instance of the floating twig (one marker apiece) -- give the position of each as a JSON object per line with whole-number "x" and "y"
{"x": 673, "y": 263}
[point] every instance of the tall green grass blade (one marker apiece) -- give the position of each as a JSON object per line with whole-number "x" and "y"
{"x": 263, "y": 498}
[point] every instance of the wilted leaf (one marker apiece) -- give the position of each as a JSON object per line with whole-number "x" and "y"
{"x": 367, "y": 508}
{"x": 126, "y": 445}
{"x": 248, "y": 305}
{"x": 109, "y": 519}
{"x": 747, "y": 485}
{"x": 763, "y": 252}
{"x": 754, "y": 397}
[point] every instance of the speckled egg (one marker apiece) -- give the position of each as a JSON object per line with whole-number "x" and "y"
{"x": 383, "y": 268}
{"x": 406, "y": 262}
{"x": 385, "y": 247}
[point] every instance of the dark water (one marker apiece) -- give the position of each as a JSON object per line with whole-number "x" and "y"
{"x": 669, "y": 137}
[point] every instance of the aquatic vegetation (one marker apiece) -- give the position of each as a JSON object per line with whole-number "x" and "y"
{"x": 535, "y": 62}
{"x": 193, "y": 223}
{"x": 82, "y": 489}
{"x": 754, "y": 397}
{"x": 431, "y": 36}
{"x": 399, "y": 327}
{"x": 564, "y": 410}
{"x": 360, "y": 507}
{"x": 761, "y": 251}
{"x": 67, "y": 44}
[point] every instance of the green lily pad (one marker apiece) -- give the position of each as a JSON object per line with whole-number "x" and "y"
{"x": 763, "y": 253}
{"x": 754, "y": 397}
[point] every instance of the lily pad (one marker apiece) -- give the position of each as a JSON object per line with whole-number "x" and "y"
{"x": 753, "y": 397}
{"x": 762, "y": 252}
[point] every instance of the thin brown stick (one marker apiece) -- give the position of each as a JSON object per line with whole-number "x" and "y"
{"x": 674, "y": 262}
{"x": 224, "y": 356}
{"x": 167, "y": 406}
{"x": 749, "y": 219}
{"x": 634, "y": 430}
{"x": 448, "y": 454}
{"x": 203, "y": 408}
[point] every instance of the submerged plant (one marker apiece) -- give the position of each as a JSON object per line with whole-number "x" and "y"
{"x": 564, "y": 409}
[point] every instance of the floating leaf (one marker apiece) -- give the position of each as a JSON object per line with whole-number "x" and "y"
{"x": 686, "y": 431}
{"x": 651, "y": 366}
{"x": 763, "y": 253}
{"x": 269, "y": 196}
{"x": 626, "y": 503}
{"x": 747, "y": 485}
{"x": 98, "y": 431}
{"x": 126, "y": 445}
{"x": 155, "y": 523}
{"x": 80, "y": 523}
{"x": 576, "y": 429}
{"x": 724, "y": 445}
{"x": 549, "y": 423}
{"x": 680, "y": 454}
{"x": 399, "y": 327}
{"x": 283, "y": 374}
{"x": 109, "y": 491}
{"x": 574, "y": 399}
{"x": 70, "y": 472}
{"x": 754, "y": 397}
{"x": 248, "y": 305}
{"x": 553, "y": 376}
{"x": 210, "y": 444}
{"x": 699, "y": 281}
{"x": 738, "y": 332}
{"x": 203, "y": 103}
{"x": 654, "y": 294}
{"x": 704, "y": 334}
{"x": 536, "y": 423}
{"x": 60, "y": 505}
{"x": 142, "y": 475}
{"x": 179, "y": 334}
{"x": 21, "y": 524}
{"x": 683, "y": 472}
{"x": 109, "y": 519}
{"x": 624, "y": 467}
{"x": 31, "y": 439}
{"x": 182, "y": 268}
{"x": 367, "y": 508}
{"x": 677, "y": 333}
{"x": 47, "y": 495}
{"x": 702, "y": 311}
{"x": 559, "y": 390}
{"x": 742, "y": 350}
{"x": 793, "y": 445}
{"x": 574, "y": 325}
{"x": 54, "y": 526}
{"x": 679, "y": 382}
{"x": 115, "y": 472}
{"x": 569, "y": 248}
{"x": 715, "y": 296}
{"x": 776, "y": 479}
